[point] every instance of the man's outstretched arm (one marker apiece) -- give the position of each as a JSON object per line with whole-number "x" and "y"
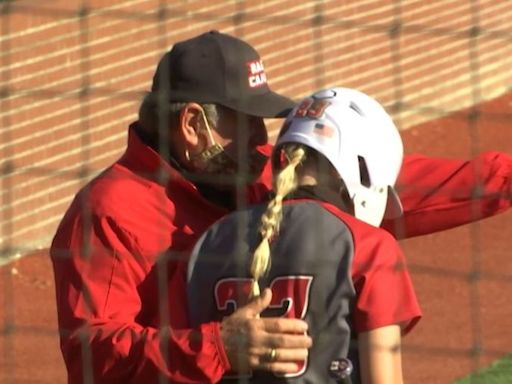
{"x": 440, "y": 193}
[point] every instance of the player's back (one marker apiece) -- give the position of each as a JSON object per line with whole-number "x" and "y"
{"x": 310, "y": 278}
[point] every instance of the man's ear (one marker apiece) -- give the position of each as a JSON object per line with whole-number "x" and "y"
{"x": 190, "y": 124}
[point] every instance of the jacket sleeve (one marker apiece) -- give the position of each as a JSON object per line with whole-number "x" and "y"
{"x": 439, "y": 194}
{"x": 98, "y": 303}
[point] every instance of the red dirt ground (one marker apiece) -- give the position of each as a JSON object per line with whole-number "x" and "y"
{"x": 458, "y": 314}
{"x": 438, "y": 351}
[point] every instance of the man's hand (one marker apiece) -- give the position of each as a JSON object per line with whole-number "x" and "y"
{"x": 249, "y": 340}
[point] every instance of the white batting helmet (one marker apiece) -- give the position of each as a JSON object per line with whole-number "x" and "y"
{"x": 358, "y": 137}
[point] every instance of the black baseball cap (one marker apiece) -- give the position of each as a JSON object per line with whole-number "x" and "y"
{"x": 221, "y": 69}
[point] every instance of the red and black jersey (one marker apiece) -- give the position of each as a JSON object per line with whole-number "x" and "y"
{"x": 110, "y": 298}
{"x": 339, "y": 274}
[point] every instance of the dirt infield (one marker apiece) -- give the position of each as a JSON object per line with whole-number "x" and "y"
{"x": 466, "y": 320}
{"x": 461, "y": 315}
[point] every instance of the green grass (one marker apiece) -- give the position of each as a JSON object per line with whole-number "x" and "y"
{"x": 499, "y": 372}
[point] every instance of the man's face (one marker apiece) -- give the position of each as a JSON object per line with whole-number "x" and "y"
{"x": 240, "y": 135}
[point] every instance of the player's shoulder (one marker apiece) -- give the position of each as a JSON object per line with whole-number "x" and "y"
{"x": 367, "y": 239}
{"x": 356, "y": 226}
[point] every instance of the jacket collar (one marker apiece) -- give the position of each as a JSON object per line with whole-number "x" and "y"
{"x": 143, "y": 159}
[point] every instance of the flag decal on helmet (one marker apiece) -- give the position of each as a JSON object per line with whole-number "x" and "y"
{"x": 323, "y": 130}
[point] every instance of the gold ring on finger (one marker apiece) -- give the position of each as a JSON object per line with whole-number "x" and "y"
{"x": 271, "y": 355}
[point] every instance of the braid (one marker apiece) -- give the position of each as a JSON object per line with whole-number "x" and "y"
{"x": 285, "y": 182}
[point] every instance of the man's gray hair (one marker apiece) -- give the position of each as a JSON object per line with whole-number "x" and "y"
{"x": 155, "y": 114}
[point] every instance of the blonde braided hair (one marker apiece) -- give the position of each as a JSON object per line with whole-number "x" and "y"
{"x": 284, "y": 183}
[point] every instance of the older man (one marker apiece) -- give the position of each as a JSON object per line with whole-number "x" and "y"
{"x": 198, "y": 150}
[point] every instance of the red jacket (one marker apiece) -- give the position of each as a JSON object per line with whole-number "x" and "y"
{"x": 121, "y": 294}
{"x": 440, "y": 193}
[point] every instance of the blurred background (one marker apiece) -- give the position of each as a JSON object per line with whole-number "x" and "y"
{"x": 72, "y": 74}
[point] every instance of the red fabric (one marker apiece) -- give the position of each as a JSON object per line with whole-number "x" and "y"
{"x": 112, "y": 275}
{"x": 109, "y": 252}
{"x": 439, "y": 194}
{"x": 384, "y": 291}
{"x": 259, "y": 190}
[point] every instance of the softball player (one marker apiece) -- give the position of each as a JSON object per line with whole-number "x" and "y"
{"x": 317, "y": 244}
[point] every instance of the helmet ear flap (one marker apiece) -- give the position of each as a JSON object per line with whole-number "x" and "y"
{"x": 369, "y": 200}
{"x": 370, "y": 204}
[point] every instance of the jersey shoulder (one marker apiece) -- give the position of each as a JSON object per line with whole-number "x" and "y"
{"x": 370, "y": 242}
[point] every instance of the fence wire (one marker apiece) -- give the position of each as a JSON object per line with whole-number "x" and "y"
{"x": 58, "y": 80}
